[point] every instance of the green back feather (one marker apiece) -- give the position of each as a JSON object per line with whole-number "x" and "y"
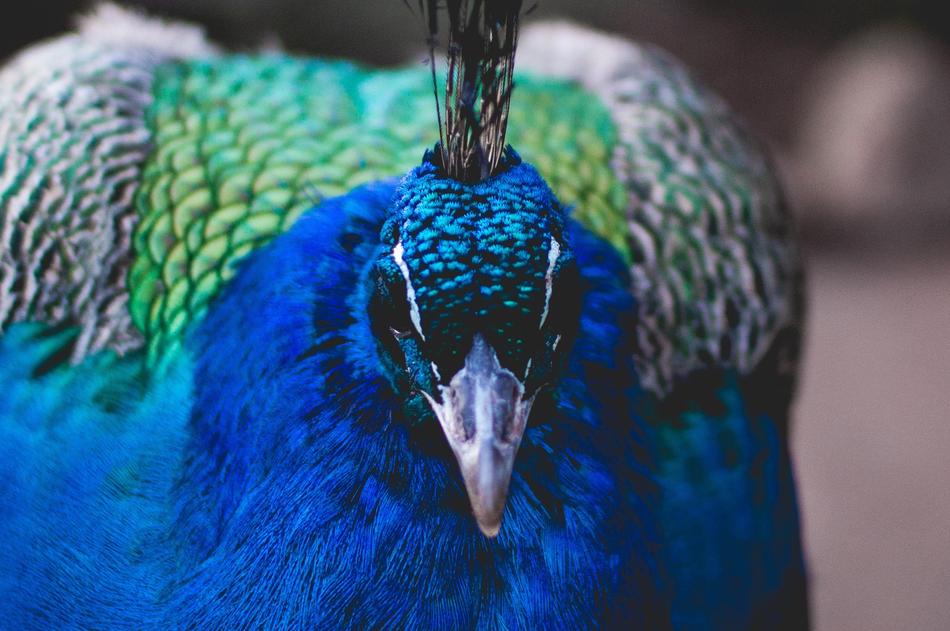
{"x": 135, "y": 173}
{"x": 243, "y": 146}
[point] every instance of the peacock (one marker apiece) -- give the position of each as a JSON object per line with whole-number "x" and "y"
{"x": 285, "y": 346}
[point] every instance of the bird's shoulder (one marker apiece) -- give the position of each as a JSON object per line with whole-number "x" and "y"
{"x": 220, "y": 153}
{"x": 88, "y": 458}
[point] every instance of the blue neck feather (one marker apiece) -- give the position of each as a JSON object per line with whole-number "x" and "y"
{"x": 305, "y": 485}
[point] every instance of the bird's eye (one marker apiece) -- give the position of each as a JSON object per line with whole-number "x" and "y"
{"x": 400, "y": 334}
{"x": 395, "y": 313}
{"x": 389, "y": 308}
{"x": 565, "y": 301}
{"x": 392, "y": 314}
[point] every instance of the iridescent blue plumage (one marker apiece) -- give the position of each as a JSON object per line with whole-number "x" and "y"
{"x": 437, "y": 402}
{"x": 89, "y": 458}
{"x": 306, "y": 497}
{"x": 301, "y": 447}
{"x": 728, "y": 513}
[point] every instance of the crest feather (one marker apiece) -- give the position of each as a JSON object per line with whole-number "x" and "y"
{"x": 481, "y": 40}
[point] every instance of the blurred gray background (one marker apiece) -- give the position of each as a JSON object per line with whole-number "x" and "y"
{"x": 854, "y": 98}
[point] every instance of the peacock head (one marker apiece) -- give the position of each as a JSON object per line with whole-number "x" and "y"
{"x": 474, "y": 305}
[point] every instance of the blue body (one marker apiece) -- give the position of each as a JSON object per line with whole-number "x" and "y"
{"x": 266, "y": 477}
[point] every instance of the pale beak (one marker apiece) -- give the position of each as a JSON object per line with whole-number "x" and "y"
{"x": 483, "y": 413}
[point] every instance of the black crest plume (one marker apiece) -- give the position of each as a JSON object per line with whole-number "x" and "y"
{"x": 482, "y": 37}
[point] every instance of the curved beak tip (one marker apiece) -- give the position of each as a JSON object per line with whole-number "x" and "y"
{"x": 483, "y": 413}
{"x": 489, "y": 529}
{"x": 488, "y": 505}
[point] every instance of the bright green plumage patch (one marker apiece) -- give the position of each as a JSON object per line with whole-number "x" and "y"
{"x": 243, "y": 146}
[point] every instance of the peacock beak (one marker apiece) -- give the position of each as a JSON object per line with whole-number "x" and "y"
{"x": 483, "y": 414}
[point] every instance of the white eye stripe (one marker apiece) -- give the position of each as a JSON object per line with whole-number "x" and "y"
{"x": 410, "y": 291}
{"x": 553, "y": 253}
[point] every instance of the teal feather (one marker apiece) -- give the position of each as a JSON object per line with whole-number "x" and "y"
{"x": 215, "y": 374}
{"x": 98, "y": 439}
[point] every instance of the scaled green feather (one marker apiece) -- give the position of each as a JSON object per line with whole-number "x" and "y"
{"x": 243, "y": 146}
